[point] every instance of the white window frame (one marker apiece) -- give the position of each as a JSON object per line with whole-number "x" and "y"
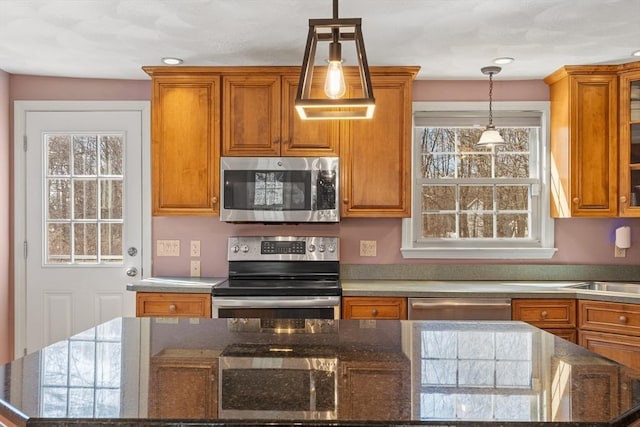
{"x": 542, "y": 248}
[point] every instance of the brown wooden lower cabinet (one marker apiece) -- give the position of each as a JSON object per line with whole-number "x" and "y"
{"x": 557, "y": 316}
{"x": 375, "y": 390}
{"x": 374, "y": 308}
{"x": 584, "y": 389}
{"x": 5, "y": 422}
{"x": 159, "y": 304}
{"x": 621, "y": 348}
{"x": 183, "y": 383}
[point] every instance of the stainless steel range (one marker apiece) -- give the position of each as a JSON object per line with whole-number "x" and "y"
{"x": 280, "y": 278}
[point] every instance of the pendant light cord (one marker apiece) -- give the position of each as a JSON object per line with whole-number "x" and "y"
{"x": 490, "y": 99}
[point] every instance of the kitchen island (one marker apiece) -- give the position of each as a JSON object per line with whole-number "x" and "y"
{"x": 188, "y": 372}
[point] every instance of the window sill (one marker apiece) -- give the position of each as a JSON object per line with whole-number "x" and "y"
{"x": 478, "y": 253}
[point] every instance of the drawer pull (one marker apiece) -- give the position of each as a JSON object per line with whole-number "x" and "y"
{"x": 623, "y": 319}
{"x": 172, "y": 307}
{"x": 374, "y": 311}
{"x": 544, "y": 314}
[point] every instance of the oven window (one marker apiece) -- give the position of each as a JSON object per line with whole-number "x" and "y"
{"x": 277, "y": 313}
{"x": 277, "y": 390}
{"x": 267, "y": 190}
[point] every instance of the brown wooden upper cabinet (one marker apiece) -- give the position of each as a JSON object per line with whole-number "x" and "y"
{"x": 375, "y": 154}
{"x": 201, "y": 113}
{"x": 260, "y": 119}
{"x": 185, "y": 143}
{"x": 595, "y": 166}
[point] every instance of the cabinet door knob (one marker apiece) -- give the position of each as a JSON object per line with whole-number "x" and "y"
{"x": 172, "y": 307}
{"x": 345, "y": 201}
{"x": 623, "y": 319}
{"x": 544, "y": 314}
{"x": 623, "y": 199}
{"x": 374, "y": 311}
{"x": 214, "y": 200}
{"x": 576, "y": 200}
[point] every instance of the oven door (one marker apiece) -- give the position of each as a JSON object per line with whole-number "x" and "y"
{"x": 276, "y": 307}
{"x": 277, "y": 388}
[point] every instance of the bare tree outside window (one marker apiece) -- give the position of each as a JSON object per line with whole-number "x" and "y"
{"x": 84, "y": 176}
{"x": 472, "y": 193}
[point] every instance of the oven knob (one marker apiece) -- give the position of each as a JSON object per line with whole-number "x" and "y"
{"x": 245, "y": 248}
{"x": 321, "y": 248}
{"x": 332, "y": 248}
{"x": 235, "y": 249}
{"x": 312, "y": 248}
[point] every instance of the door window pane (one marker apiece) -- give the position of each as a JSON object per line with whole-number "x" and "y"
{"x": 85, "y": 181}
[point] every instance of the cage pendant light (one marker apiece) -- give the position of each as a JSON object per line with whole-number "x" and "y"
{"x": 334, "y": 105}
{"x": 490, "y": 137}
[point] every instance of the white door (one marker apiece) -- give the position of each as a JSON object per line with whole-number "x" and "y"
{"x": 83, "y": 222}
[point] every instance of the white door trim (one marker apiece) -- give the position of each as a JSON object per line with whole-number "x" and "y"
{"x": 19, "y": 223}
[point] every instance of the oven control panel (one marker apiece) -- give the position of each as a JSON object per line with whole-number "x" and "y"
{"x": 289, "y": 248}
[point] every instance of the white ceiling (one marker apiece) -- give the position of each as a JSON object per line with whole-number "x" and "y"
{"x": 449, "y": 39}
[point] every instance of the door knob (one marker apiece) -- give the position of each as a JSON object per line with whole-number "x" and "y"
{"x": 132, "y": 272}
{"x": 132, "y": 251}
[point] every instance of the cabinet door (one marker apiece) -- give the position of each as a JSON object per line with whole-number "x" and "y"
{"x": 183, "y": 384}
{"x": 545, "y": 313}
{"x": 251, "y": 119}
{"x": 306, "y": 137}
{"x": 374, "y": 391}
{"x": 376, "y": 153}
{"x": 172, "y": 305}
{"x": 584, "y": 145}
{"x": 629, "y": 137}
{"x": 185, "y": 145}
{"x": 611, "y": 317}
{"x": 374, "y": 308}
{"x": 621, "y": 348}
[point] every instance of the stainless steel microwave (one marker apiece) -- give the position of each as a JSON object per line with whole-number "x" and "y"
{"x": 279, "y": 189}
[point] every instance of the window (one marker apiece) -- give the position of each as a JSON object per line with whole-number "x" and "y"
{"x": 471, "y": 202}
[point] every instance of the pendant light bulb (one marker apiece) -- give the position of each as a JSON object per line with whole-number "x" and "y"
{"x": 334, "y": 86}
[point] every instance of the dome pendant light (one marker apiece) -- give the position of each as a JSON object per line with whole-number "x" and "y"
{"x": 490, "y": 137}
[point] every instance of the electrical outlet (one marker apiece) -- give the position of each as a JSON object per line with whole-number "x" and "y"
{"x": 367, "y": 324}
{"x": 168, "y": 247}
{"x": 368, "y": 247}
{"x": 620, "y": 252}
{"x": 195, "y": 248}
{"x": 195, "y": 268}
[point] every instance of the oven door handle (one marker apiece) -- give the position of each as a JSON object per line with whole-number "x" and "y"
{"x": 276, "y": 302}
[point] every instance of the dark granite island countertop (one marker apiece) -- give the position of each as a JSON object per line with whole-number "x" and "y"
{"x": 205, "y": 372}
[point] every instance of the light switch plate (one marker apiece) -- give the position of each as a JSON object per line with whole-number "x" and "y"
{"x": 368, "y": 247}
{"x": 168, "y": 247}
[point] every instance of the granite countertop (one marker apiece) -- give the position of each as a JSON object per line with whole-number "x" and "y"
{"x": 196, "y": 285}
{"x": 481, "y": 288}
{"x": 147, "y": 371}
{"x": 414, "y": 288}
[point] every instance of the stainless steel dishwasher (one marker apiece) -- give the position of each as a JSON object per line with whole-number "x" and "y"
{"x": 459, "y": 309}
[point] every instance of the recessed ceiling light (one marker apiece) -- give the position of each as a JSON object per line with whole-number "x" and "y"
{"x": 636, "y": 53}
{"x": 172, "y": 61}
{"x": 503, "y": 60}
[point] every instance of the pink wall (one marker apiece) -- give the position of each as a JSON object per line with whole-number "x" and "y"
{"x": 579, "y": 241}
{"x": 6, "y": 314}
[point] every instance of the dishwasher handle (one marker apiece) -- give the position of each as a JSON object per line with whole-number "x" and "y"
{"x": 418, "y": 305}
{"x": 459, "y": 309}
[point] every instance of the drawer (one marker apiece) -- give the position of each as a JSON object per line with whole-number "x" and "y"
{"x": 610, "y": 317}
{"x": 374, "y": 308}
{"x": 173, "y": 304}
{"x": 545, "y": 313}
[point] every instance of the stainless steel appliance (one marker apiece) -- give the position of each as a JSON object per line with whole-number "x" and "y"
{"x": 459, "y": 309}
{"x": 279, "y": 189}
{"x": 276, "y": 381}
{"x": 280, "y": 278}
